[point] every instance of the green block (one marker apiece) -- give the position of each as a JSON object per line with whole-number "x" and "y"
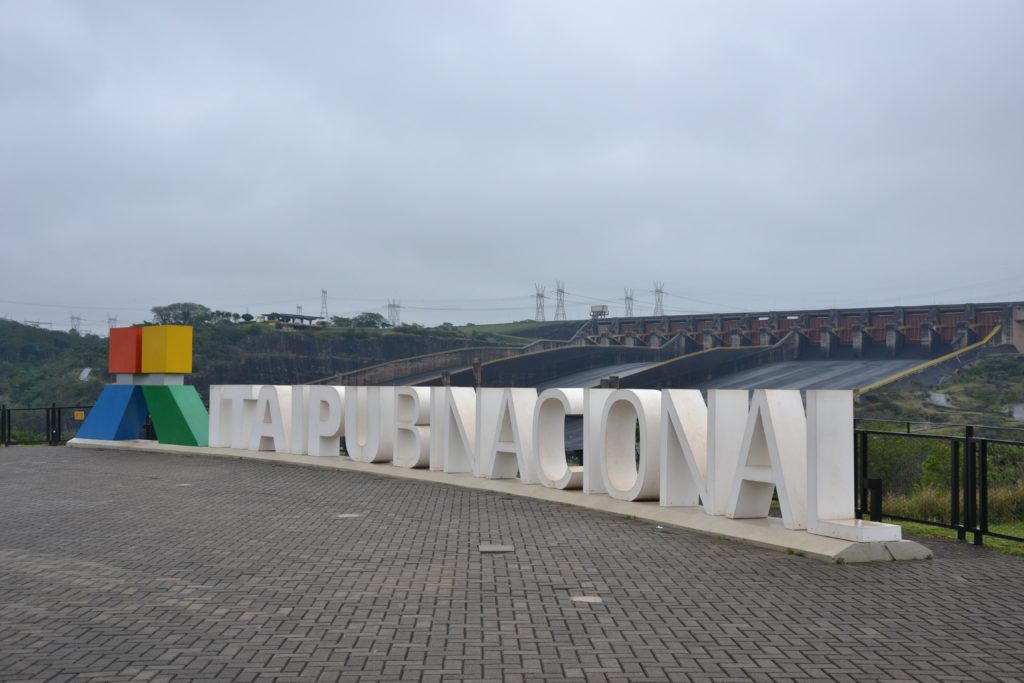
{"x": 179, "y": 416}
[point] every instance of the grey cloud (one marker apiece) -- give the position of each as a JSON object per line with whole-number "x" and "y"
{"x": 754, "y": 155}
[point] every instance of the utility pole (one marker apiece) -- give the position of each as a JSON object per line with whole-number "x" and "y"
{"x": 559, "y": 300}
{"x": 394, "y": 312}
{"x": 539, "y": 298}
{"x": 659, "y": 299}
{"x": 629, "y": 303}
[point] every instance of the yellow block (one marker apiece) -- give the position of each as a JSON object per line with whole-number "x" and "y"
{"x": 167, "y": 348}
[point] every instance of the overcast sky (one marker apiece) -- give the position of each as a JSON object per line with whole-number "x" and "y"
{"x": 750, "y": 155}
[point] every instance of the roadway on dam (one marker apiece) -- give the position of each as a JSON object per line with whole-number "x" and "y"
{"x": 592, "y": 378}
{"x": 583, "y": 379}
{"x": 812, "y": 374}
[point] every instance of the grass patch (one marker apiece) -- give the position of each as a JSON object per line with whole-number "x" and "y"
{"x": 527, "y": 330}
{"x": 997, "y": 544}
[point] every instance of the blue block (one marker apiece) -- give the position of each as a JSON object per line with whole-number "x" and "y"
{"x": 119, "y": 414}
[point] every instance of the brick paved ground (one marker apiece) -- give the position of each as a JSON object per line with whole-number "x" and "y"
{"x": 119, "y": 566}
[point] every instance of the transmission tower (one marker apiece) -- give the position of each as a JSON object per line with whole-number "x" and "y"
{"x": 659, "y": 298}
{"x": 539, "y": 312}
{"x": 111, "y": 321}
{"x": 323, "y": 304}
{"x": 559, "y": 300}
{"x": 394, "y": 312}
{"x": 76, "y": 321}
{"x": 298, "y": 309}
{"x": 629, "y": 303}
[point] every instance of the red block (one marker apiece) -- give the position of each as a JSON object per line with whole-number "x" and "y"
{"x": 125, "y": 350}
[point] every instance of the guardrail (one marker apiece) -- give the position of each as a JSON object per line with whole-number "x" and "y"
{"x": 968, "y": 478}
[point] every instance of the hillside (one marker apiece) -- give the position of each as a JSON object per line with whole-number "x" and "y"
{"x": 38, "y": 367}
{"x": 983, "y": 392}
{"x": 525, "y": 331}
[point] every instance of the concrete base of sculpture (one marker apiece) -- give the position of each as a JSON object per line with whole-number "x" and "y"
{"x": 767, "y": 532}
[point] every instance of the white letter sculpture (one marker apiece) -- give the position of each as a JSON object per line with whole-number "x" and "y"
{"x": 727, "y": 416}
{"x": 830, "y": 482}
{"x": 773, "y": 458}
{"x": 458, "y": 434}
{"x": 684, "y": 447}
{"x": 273, "y": 419}
{"x": 325, "y": 420}
{"x": 298, "y": 440}
{"x": 412, "y": 427}
{"x": 232, "y": 412}
{"x": 624, "y": 477}
{"x": 728, "y": 455}
{"x": 505, "y": 434}
{"x": 553, "y": 470}
{"x": 369, "y": 420}
{"x": 594, "y": 401}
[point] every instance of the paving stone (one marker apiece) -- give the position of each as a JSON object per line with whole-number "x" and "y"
{"x": 109, "y": 570}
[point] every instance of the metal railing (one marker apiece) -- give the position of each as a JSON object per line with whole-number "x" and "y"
{"x": 968, "y": 478}
{"x": 51, "y": 425}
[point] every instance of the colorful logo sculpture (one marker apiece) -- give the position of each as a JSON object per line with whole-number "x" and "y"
{"x": 150, "y": 364}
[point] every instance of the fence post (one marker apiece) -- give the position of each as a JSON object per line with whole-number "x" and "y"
{"x": 3, "y": 425}
{"x": 875, "y": 513}
{"x": 52, "y": 419}
{"x": 56, "y": 425}
{"x": 971, "y": 485}
{"x": 954, "y": 489}
{"x": 862, "y": 476}
{"x": 983, "y": 492}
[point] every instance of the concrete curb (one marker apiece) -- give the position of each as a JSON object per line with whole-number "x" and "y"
{"x": 765, "y": 533}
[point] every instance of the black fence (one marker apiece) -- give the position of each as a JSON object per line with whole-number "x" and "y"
{"x": 969, "y": 478}
{"x": 51, "y": 425}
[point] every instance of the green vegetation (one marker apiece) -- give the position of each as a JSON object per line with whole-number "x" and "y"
{"x": 525, "y": 331}
{"x": 997, "y": 544}
{"x": 980, "y": 393}
{"x": 39, "y": 367}
{"x": 931, "y": 503}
